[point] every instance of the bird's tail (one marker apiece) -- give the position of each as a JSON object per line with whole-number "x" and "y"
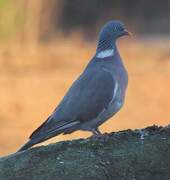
{"x": 27, "y": 145}
{"x": 47, "y": 131}
{"x": 38, "y": 139}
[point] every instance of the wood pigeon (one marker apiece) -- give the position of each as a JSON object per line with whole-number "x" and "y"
{"x": 96, "y": 95}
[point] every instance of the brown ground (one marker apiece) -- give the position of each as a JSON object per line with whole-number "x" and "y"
{"x": 34, "y": 80}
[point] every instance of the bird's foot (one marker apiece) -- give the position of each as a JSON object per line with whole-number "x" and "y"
{"x": 100, "y": 137}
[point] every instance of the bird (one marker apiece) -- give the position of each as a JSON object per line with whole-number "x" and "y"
{"x": 95, "y": 96}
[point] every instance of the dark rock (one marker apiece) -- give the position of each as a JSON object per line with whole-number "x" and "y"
{"x": 124, "y": 156}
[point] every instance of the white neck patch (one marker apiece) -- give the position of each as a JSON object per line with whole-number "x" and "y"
{"x": 105, "y": 53}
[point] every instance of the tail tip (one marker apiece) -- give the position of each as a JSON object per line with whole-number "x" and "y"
{"x": 25, "y": 146}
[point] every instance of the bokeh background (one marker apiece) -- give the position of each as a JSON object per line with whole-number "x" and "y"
{"x": 45, "y": 44}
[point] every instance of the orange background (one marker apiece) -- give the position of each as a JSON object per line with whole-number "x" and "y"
{"x": 34, "y": 79}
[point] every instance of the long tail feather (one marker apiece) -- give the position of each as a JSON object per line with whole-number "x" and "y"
{"x": 27, "y": 145}
{"x": 43, "y": 133}
{"x": 39, "y": 139}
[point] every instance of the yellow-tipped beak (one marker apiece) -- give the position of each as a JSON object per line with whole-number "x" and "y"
{"x": 126, "y": 32}
{"x": 129, "y": 33}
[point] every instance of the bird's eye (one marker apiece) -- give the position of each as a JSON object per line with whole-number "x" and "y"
{"x": 114, "y": 28}
{"x": 118, "y": 28}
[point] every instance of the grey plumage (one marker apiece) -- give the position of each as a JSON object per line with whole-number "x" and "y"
{"x": 95, "y": 96}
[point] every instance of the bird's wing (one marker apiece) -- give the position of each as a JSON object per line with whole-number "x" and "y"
{"x": 88, "y": 96}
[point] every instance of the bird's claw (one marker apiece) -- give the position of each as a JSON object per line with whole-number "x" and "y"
{"x": 100, "y": 137}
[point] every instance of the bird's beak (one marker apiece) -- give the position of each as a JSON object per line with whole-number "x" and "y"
{"x": 126, "y": 32}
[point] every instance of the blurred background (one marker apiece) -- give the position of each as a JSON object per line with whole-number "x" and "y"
{"x": 45, "y": 45}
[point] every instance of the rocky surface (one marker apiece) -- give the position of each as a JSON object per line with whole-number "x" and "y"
{"x": 126, "y": 155}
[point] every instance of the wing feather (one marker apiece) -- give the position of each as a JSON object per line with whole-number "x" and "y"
{"x": 87, "y": 97}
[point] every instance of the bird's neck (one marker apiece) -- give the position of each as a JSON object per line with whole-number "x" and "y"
{"x": 105, "y": 43}
{"x": 105, "y": 48}
{"x": 103, "y": 55}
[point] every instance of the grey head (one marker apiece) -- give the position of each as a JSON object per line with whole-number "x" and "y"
{"x": 110, "y": 32}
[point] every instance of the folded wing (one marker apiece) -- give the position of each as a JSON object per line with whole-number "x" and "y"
{"x": 87, "y": 97}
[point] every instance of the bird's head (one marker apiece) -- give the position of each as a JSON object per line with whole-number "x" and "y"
{"x": 114, "y": 30}
{"x": 110, "y": 32}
